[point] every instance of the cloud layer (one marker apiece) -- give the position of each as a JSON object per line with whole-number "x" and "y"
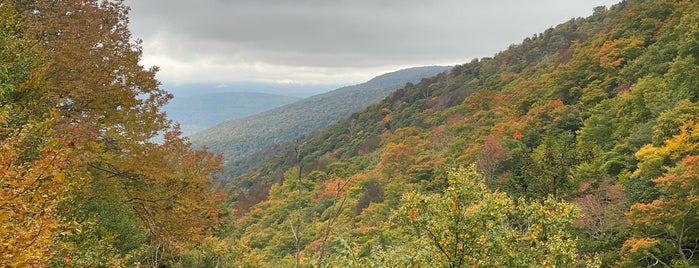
{"x": 338, "y": 41}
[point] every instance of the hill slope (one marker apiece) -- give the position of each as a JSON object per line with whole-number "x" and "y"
{"x": 199, "y": 112}
{"x": 241, "y": 137}
{"x": 599, "y": 112}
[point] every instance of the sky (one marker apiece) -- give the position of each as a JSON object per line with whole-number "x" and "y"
{"x": 331, "y": 41}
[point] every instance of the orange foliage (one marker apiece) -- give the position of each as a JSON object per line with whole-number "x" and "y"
{"x": 386, "y": 119}
{"x": 331, "y": 188}
{"x": 175, "y": 199}
{"x": 490, "y": 156}
{"x": 671, "y": 220}
{"x": 613, "y": 53}
{"x": 642, "y": 244}
{"x": 517, "y": 135}
{"x": 396, "y": 158}
{"x": 685, "y": 183}
{"x": 501, "y": 97}
{"x": 454, "y": 119}
{"x": 32, "y": 187}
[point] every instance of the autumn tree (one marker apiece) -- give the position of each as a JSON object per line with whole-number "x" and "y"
{"x": 468, "y": 226}
{"x": 655, "y": 161}
{"x": 32, "y": 157}
{"x": 491, "y": 155}
{"x": 404, "y": 152}
{"x": 601, "y": 225}
{"x": 664, "y": 229}
{"x": 170, "y": 195}
{"x": 80, "y": 117}
{"x": 32, "y": 186}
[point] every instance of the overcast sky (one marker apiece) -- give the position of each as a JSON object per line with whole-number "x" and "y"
{"x": 331, "y": 41}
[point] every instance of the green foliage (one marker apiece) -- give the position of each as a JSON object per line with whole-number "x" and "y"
{"x": 82, "y": 184}
{"x": 586, "y": 112}
{"x": 469, "y": 225}
{"x": 600, "y": 112}
{"x": 414, "y": 254}
{"x": 552, "y": 162}
{"x": 665, "y": 231}
{"x": 33, "y": 158}
{"x": 240, "y": 138}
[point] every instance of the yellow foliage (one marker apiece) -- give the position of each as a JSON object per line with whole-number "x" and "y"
{"x": 685, "y": 143}
{"x": 612, "y": 54}
{"x": 30, "y": 193}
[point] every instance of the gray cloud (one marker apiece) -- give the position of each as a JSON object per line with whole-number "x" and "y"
{"x": 323, "y": 41}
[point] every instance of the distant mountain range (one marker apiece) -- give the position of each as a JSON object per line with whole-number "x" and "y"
{"x": 275, "y": 130}
{"x": 292, "y": 90}
{"x": 199, "y": 112}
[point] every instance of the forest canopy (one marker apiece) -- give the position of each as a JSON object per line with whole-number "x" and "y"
{"x": 575, "y": 148}
{"x": 597, "y": 113}
{"x": 83, "y": 182}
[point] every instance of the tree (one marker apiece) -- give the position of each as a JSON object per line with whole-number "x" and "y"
{"x": 334, "y": 211}
{"x": 553, "y": 161}
{"x": 468, "y": 225}
{"x": 654, "y": 162}
{"x": 32, "y": 185}
{"x": 664, "y": 226}
{"x": 78, "y": 124}
{"x": 602, "y": 221}
{"x": 167, "y": 187}
{"x": 93, "y": 72}
{"x": 490, "y": 157}
{"x": 32, "y": 158}
{"x": 403, "y": 153}
{"x": 666, "y": 231}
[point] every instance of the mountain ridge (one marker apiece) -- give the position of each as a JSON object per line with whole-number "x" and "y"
{"x": 595, "y": 113}
{"x": 240, "y": 137}
{"x": 199, "y": 112}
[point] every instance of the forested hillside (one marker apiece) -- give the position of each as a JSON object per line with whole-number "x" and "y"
{"x": 81, "y": 183}
{"x": 247, "y": 142}
{"x": 576, "y": 147}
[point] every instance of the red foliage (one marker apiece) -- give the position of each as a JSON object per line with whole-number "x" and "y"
{"x": 245, "y": 201}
